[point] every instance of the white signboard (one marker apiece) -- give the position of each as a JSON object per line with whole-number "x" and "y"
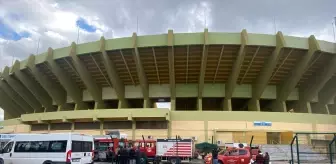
{"x": 6, "y": 136}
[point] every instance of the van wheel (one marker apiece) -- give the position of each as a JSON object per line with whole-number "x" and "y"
{"x": 47, "y": 162}
{"x": 1, "y": 161}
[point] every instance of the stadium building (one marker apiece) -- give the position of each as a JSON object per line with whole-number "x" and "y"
{"x": 226, "y": 86}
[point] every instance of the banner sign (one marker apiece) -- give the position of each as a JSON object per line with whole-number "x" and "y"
{"x": 262, "y": 123}
{"x": 6, "y": 136}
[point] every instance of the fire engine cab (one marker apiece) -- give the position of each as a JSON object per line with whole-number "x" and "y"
{"x": 107, "y": 145}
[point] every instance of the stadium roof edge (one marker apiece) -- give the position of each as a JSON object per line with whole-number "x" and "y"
{"x": 266, "y": 40}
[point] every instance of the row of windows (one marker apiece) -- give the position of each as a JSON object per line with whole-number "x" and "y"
{"x": 107, "y": 125}
{"x": 40, "y": 146}
{"x": 48, "y": 146}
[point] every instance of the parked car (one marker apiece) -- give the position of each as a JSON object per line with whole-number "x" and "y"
{"x": 231, "y": 156}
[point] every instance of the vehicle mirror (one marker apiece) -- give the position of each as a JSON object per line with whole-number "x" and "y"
{"x": 1, "y": 151}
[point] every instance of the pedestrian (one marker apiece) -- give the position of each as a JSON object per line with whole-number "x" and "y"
{"x": 259, "y": 158}
{"x": 215, "y": 156}
{"x": 266, "y": 158}
{"x": 132, "y": 155}
{"x": 137, "y": 155}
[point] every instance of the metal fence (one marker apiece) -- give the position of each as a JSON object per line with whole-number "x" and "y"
{"x": 313, "y": 148}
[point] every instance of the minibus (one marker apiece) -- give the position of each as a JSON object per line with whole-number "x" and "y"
{"x": 57, "y": 148}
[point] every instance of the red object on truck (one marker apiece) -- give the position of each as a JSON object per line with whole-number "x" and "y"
{"x": 173, "y": 150}
{"x": 146, "y": 146}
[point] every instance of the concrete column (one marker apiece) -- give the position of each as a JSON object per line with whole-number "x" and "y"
{"x": 303, "y": 107}
{"x": 279, "y": 106}
{"x": 72, "y": 126}
{"x": 7, "y": 115}
{"x": 133, "y": 129}
{"x": 101, "y": 127}
{"x": 227, "y": 106}
{"x": 147, "y": 103}
{"x": 29, "y": 128}
{"x": 99, "y": 105}
{"x": 172, "y": 104}
{"x": 122, "y": 104}
{"x": 206, "y": 134}
{"x": 49, "y": 127}
{"x": 320, "y": 109}
{"x": 254, "y": 105}
{"x": 332, "y": 109}
{"x": 199, "y": 104}
{"x": 327, "y": 109}
{"x": 169, "y": 129}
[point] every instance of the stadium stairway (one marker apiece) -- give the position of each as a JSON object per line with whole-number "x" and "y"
{"x": 283, "y": 153}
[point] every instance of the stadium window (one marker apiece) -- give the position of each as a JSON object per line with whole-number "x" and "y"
{"x": 151, "y": 125}
{"x": 39, "y": 127}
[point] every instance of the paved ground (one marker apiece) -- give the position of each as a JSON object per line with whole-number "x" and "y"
{"x": 193, "y": 162}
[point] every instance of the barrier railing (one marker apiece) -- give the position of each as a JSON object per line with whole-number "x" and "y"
{"x": 313, "y": 147}
{"x": 332, "y": 149}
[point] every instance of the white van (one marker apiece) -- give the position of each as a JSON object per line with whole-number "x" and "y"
{"x": 57, "y": 148}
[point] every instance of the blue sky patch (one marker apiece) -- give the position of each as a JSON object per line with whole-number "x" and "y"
{"x": 8, "y": 33}
{"x": 83, "y": 24}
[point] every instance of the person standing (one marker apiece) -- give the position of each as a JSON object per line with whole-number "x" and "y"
{"x": 215, "y": 156}
{"x": 137, "y": 155}
{"x": 259, "y": 158}
{"x": 132, "y": 155}
{"x": 266, "y": 158}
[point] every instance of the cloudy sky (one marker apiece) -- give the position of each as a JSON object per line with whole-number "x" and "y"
{"x": 56, "y": 22}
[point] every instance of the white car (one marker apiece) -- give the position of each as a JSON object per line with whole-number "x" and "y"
{"x": 58, "y": 148}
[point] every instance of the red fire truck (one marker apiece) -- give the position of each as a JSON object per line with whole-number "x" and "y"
{"x": 147, "y": 146}
{"x": 105, "y": 145}
{"x": 174, "y": 150}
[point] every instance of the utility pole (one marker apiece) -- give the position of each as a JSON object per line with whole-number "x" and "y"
{"x": 38, "y": 46}
{"x": 275, "y": 30}
{"x": 334, "y": 26}
{"x": 78, "y": 35}
{"x": 137, "y": 25}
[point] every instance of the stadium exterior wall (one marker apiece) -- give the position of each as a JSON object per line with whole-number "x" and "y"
{"x": 200, "y": 124}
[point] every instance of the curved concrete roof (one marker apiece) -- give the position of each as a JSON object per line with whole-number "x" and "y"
{"x": 45, "y": 82}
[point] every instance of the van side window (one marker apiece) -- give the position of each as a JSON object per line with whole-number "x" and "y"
{"x": 40, "y": 146}
{"x": 87, "y": 146}
{"x": 76, "y": 146}
{"x": 22, "y": 146}
{"x": 57, "y": 146}
{"x": 81, "y": 146}
{"x": 8, "y": 147}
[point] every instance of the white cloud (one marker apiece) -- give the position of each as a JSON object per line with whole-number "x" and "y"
{"x": 55, "y": 35}
{"x": 63, "y": 21}
{"x": 53, "y": 22}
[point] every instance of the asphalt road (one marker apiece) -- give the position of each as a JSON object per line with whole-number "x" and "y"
{"x": 193, "y": 162}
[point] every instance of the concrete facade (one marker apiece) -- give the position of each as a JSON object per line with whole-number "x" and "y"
{"x": 201, "y": 125}
{"x": 218, "y": 84}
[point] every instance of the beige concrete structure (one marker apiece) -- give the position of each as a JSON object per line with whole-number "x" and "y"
{"x": 218, "y": 85}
